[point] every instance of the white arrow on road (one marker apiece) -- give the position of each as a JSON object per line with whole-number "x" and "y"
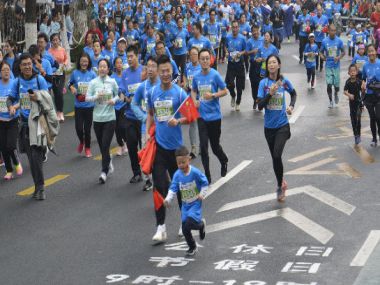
{"x": 312, "y": 191}
{"x": 313, "y": 229}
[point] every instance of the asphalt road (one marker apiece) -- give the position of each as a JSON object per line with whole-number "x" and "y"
{"x": 86, "y": 233}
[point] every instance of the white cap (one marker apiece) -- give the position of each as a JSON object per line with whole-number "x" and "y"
{"x": 311, "y": 35}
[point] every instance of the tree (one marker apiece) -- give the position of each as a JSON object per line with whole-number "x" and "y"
{"x": 80, "y": 22}
{"x": 30, "y": 23}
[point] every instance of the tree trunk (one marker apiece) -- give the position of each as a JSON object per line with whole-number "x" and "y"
{"x": 64, "y": 40}
{"x": 30, "y": 23}
{"x": 80, "y": 22}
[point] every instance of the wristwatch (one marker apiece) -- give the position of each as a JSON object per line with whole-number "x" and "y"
{"x": 213, "y": 95}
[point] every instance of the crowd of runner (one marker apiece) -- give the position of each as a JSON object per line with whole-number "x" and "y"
{"x": 143, "y": 60}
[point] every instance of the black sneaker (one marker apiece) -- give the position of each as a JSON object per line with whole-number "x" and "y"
{"x": 193, "y": 155}
{"x": 136, "y": 179}
{"x": 148, "y": 185}
{"x": 35, "y": 195}
{"x": 254, "y": 106}
{"x": 41, "y": 195}
{"x": 208, "y": 176}
{"x": 191, "y": 251}
{"x": 223, "y": 170}
{"x": 202, "y": 231}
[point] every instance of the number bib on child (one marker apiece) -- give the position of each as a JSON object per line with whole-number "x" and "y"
{"x": 163, "y": 110}
{"x": 189, "y": 192}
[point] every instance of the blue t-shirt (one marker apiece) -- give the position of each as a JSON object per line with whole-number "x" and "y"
{"x": 130, "y": 81}
{"x": 95, "y": 61}
{"x": 189, "y": 186}
{"x": 328, "y": 9}
{"x": 131, "y": 36}
{"x": 332, "y": 48}
{"x": 265, "y": 52}
{"x": 252, "y": 44}
{"x": 350, "y": 36}
{"x": 119, "y": 104}
{"x": 140, "y": 18}
{"x": 360, "y": 60}
{"x": 180, "y": 37}
{"x": 371, "y": 74}
{"x": 169, "y": 30}
{"x": 149, "y": 45}
{"x": 200, "y": 43}
{"x": 165, "y": 103}
{"x": 319, "y": 23}
{"x": 81, "y": 80}
{"x": 5, "y": 91}
{"x": 109, "y": 55}
{"x": 235, "y": 45}
{"x": 275, "y": 111}
{"x": 10, "y": 61}
{"x": 190, "y": 72}
{"x": 89, "y": 51}
{"x": 19, "y": 92}
{"x": 303, "y": 22}
{"x": 212, "y": 82}
{"x": 213, "y": 31}
{"x": 359, "y": 38}
{"x": 312, "y": 50}
{"x": 245, "y": 28}
{"x": 47, "y": 67}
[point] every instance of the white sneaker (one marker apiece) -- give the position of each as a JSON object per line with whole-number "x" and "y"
{"x": 160, "y": 236}
{"x": 237, "y": 107}
{"x": 180, "y": 233}
{"x": 247, "y": 76}
{"x": 102, "y": 178}
{"x": 232, "y": 102}
{"x": 119, "y": 151}
{"x": 124, "y": 149}
{"x": 111, "y": 169}
{"x": 331, "y": 105}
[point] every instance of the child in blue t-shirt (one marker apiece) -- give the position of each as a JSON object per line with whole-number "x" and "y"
{"x": 192, "y": 185}
{"x": 310, "y": 53}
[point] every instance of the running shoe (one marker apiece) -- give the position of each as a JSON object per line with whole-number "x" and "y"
{"x": 180, "y": 232}
{"x": 19, "y": 169}
{"x": 336, "y": 98}
{"x": 331, "y": 105}
{"x": 160, "y": 235}
{"x": 237, "y": 107}
{"x": 192, "y": 251}
{"x": 202, "y": 231}
{"x": 374, "y": 143}
{"x": 87, "y": 152}
{"x": 357, "y": 140}
{"x": 80, "y": 148}
{"x": 41, "y": 195}
{"x": 281, "y": 191}
{"x": 119, "y": 151}
{"x": 102, "y": 178}
{"x": 135, "y": 179}
{"x": 148, "y": 186}
{"x": 223, "y": 170}
{"x": 232, "y": 102}
{"x": 8, "y": 176}
{"x": 111, "y": 169}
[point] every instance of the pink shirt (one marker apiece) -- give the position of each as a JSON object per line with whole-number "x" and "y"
{"x": 59, "y": 55}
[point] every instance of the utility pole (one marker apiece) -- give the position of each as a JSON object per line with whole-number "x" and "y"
{"x": 30, "y": 23}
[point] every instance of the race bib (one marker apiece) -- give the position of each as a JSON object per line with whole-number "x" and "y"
{"x": 275, "y": 102}
{"x": 150, "y": 46}
{"x": 319, "y": 28}
{"x": 3, "y": 105}
{"x": 311, "y": 57}
{"x": 349, "y": 37}
{"x": 190, "y": 81}
{"x": 82, "y": 88}
{"x": 132, "y": 88}
{"x": 179, "y": 42}
{"x": 360, "y": 64}
{"x": 143, "y": 105}
{"x": 359, "y": 39}
{"x": 304, "y": 27}
{"x": 25, "y": 101}
{"x": 125, "y": 66}
{"x": 104, "y": 98}
{"x": 332, "y": 51}
{"x": 328, "y": 5}
{"x": 213, "y": 39}
{"x": 264, "y": 65}
{"x": 189, "y": 192}
{"x": 203, "y": 89}
{"x": 163, "y": 110}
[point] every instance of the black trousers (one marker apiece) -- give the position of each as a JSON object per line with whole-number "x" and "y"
{"x": 164, "y": 163}
{"x": 372, "y": 103}
{"x": 318, "y": 59}
{"x": 303, "y": 42}
{"x": 351, "y": 51}
{"x": 104, "y": 133}
{"x": 215, "y": 65}
{"x": 355, "y": 115}
{"x": 83, "y": 124}
{"x": 246, "y": 63}
{"x": 57, "y": 86}
{"x": 210, "y": 131}
{"x": 133, "y": 136}
{"x": 8, "y": 143}
{"x": 235, "y": 71}
{"x": 276, "y": 139}
{"x": 180, "y": 60}
{"x": 254, "y": 77}
{"x": 120, "y": 131}
{"x": 310, "y": 75}
{"x": 222, "y": 50}
{"x": 187, "y": 226}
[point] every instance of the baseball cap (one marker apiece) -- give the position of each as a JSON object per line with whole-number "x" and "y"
{"x": 122, "y": 39}
{"x": 311, "y": 35}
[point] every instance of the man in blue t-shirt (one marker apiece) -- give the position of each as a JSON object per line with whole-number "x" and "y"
{"x": 163, "y": 103}
{"x": 332, "y": 51}
{"x": 207, "y": 88}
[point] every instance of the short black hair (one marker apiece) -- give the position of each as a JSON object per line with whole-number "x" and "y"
{"x": 198, "y": 25}
{"x": 24, "y": 56}
{"x": 33, "y": 50}
{"x": 163, "y": 59}
{"x": 44, "y": 36}
{"x": 55, "y": 35}
{"x": 204, "y": 50}
{"x": 84, "y": 54}
{"x": 182, "y": 151}
{"x": 133, "y": 48}
{"x": 353, "y": 65}
{"x": 108, "y": 65}
{"x": 151, "y": 58}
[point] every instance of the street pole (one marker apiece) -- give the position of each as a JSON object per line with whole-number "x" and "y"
{"x": 30, "y": 23}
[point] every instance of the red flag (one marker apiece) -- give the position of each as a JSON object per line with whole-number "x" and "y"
{"x": 157, "y": 199}
{"x": 148, "y": 153}
{"x": 188, "y": 110}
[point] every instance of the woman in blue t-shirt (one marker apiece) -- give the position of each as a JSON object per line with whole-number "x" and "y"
{"x": 8, "y": 125}
{"x": 271, "y": 96}
{"x": 78, "y": 84}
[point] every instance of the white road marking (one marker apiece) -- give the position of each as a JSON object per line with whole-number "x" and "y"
{"x": 314, "y": 192}
{"x": 305, "y": 224}
{"x": 231, "y": 174}
{"x": 200, "y": 282}
{"x": 313, "y": 165}
{"x": 296, "y": 114}
{"x": 366, "y": 250}
{"x": 312, "y": 154}
{"x": 296, "y": 57}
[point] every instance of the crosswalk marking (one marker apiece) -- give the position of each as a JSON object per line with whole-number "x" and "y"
{"x": 296, "y": 114}
{"x": 48, "y": 182}
{"x": 71, "y": 114}
{"x": 363, "y": 154}
{"x": 112, "y": 152}
{"x": 312, "y": 154}
{"x": 366, "y": 250}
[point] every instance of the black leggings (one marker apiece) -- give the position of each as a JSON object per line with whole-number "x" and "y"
{"x": 235, "y": 71}
{"x": 164, "y": 163}
{"x": 180, "y": 60}
{"x": 8, "y": 143}
{"x": 310, "y": 75}
{"x": 276, "y": 139}
{"x": 303, "y": 42}
{"x": 355, "y": 114}
{"x": 254, "y": 77}
{"x": 83, "y": 124}
{"x": 120, "y": 127}
{"x": 104, "y": 134}
{"x": 58, "y": 84}
{"x": 133, "y": 136}
{"x": 187, "y": 226}
{"x": 318, "y": 59}
{"x": 372, "y": 103}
